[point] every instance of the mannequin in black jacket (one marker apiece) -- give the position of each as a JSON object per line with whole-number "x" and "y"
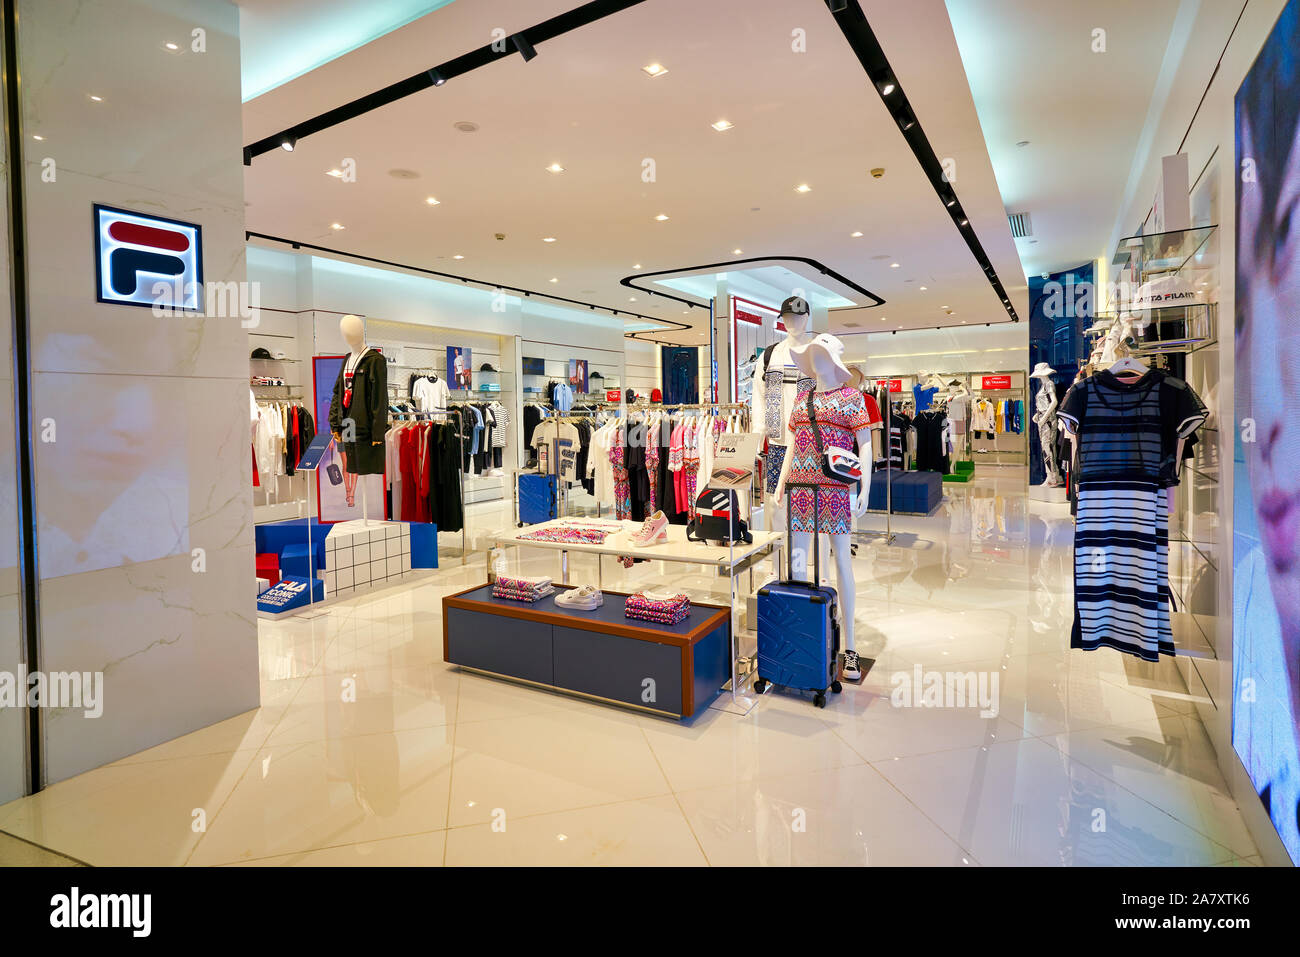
{"x": 359, "y": 407}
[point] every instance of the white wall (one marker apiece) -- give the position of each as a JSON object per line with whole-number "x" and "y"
{"x": 151, "y": 455}
{"x": 997, "y": 348}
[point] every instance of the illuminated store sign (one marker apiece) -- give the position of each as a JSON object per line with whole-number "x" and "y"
{"x": 147, "y": 261}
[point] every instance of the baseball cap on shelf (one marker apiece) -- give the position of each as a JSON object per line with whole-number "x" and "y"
{"x": 486, "y": 367}
{"x": 261, "y": 354}
{"x": 794, "y": 306}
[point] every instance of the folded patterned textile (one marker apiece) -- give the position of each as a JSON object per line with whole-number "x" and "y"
{"x": 658, "y": 603}
{"x": 570, "y": 534}
{"x": 510, "y": 582}
{"x": 657, "y": 618}
{"x": 528, "y": 595}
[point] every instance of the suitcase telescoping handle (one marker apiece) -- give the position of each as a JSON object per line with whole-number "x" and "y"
{"x": 789, "y": 531}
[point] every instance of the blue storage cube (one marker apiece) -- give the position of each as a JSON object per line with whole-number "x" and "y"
{"x": 294, "y": 560}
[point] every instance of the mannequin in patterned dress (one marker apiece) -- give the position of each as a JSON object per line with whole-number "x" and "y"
{"x": 821, "y": 360}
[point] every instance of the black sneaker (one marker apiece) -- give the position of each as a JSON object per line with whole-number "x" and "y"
{"x": 850, "y": 668}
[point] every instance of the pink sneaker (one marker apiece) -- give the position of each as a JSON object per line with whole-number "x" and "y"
{"x": 653, "y": 531}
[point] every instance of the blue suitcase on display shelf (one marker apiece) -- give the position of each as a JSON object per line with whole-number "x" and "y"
{"x": 798, "y": 627}
{"x": 536, "y": 498}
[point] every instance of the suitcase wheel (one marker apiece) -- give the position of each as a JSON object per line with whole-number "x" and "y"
{"x": 819, "y": 699}
{"x": 836, "y": 687}
{"x": 760, "y": 685}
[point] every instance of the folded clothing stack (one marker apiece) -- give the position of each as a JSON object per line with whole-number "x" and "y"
{"x": 660, "y": 607}
{"x": 522, "y": 589}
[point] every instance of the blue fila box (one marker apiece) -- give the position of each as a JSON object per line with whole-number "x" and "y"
{"x": 290, "y": 593}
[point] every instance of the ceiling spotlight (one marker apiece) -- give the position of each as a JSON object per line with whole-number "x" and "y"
{"x": 436, "y": 77}
{"x": 431, "y": 201}
{"x": 837, "y": 6}
{"x": 555, "y": 279}
{"x": 893, "y": 265}
{"x": 336, "y": 226}
{"x": 803, "y": 188}
{"x": 523, "y": 46}
{"x": 458, "y": 256}
{"x": 171, "y": 46}
{"x": 631, "y": 298}
{"x": 855, "y": 235}
{"x": 288, "y": 143}
{"x": 951, "y": 203}
{"x": 41, "y": 139}
{"x": 963, "y": 222}
{"x": 722, "y": 126}
{"x": 636, "y": 265}
{"x": 907, "y": 123}
{"x": 887, "y": 89}
{"x": 736, "y": 252}
{"x": 548, "y": 239}
{"x": 94, "y": 98}
{"x": 654, "y": 70}
{"x": 336, "y": 173}
{"x": 555, "y": 168}
{"x": 662, "y": 217}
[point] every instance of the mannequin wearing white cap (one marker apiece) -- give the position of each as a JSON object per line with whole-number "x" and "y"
{"x": 777, "y": 383}
{"x": 1045, "y": 419}
{"x": 842, "y": 416}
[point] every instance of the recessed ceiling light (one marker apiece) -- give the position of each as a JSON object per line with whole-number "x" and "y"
{"x": 94, "y": 98}
{"x": 556, "y": 168}
{"x": 636, "y": 265}
{"x": 737, "y": 252}
{"x": 458, "y": 256}
{"x": 548, "y": 239}
{"x": 943, "y": 307}
{"x": 654, "y": 70}
{"x": 336, "y": 173}
{"x": 1023, "y": 143}
{"x": 466, "y": 126}
{"x": 722, "y": 125}
{"x": 661, "y": 218}
{"x": 856, "y": 235}
{"x": 38, "y": 137}
{"x": 171, "y": 46}
{"x": 884, "y": 318}
{"x": 893, "y": 265}
{"x": 555, "y": 279}
{"x": 336, "y": 226}
{"x": 803, "y": 188}
{"x": 431, "y": 201}
{"x": 924, "y": 288}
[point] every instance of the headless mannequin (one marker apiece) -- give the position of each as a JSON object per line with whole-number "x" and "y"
{"x": 797, "y": 334}
{"x": 830, "y": 376}
{"x": 354, "y": 334}
{"x": 1045, "y": 418}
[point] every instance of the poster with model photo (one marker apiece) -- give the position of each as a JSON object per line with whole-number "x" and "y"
{"x": 1266, "y": 496}
{"x": 578, "y": 375}
{"x": 460, "y": 368}
{"x": 339, "y": 494}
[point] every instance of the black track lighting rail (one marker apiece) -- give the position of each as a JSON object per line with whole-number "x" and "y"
{"x": 731, "y": 264}
{"x": 469, "y": 280}
{"x": 524, "y": 43}
{"x": 862, "y": 39}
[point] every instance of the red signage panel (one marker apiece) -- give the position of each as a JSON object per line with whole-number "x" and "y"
{"x": 996, "y": 382}
{"x": 613, "y": 395}
{"x": 895, "y": 385}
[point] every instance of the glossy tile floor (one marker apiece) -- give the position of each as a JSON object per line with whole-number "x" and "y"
{"x": 368, "y": 749}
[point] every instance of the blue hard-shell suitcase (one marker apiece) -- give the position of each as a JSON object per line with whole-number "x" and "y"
{"x": 537, "y": 495}
{"x": 798, "y": 628}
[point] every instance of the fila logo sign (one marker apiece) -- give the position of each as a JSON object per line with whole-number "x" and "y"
{"x": 140, "y": 260}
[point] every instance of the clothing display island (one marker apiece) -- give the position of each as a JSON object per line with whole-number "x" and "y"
{"x": 672, "y": 670}
{"x": 601, "y": 653}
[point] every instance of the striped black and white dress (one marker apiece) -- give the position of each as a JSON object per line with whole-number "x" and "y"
{"x": 1128, "y": 434}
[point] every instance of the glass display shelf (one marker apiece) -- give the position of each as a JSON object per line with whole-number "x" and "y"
{"x": 1166, "y": 252}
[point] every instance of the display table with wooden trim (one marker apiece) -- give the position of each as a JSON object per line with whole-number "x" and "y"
{"x": 673, "y": 670}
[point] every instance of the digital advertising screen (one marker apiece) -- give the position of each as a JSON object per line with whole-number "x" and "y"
{"x": 1266, "y": 466}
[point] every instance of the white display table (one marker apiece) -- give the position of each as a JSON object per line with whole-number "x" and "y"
{"x": 730, "y": 561}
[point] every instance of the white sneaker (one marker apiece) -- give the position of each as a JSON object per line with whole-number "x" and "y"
{"x": 582, "y": 598}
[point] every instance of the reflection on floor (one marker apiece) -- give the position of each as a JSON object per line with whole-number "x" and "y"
{"x": 368, "y": 749}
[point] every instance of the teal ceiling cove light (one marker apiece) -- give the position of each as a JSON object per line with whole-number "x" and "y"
{"x": 322, "y": 30}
